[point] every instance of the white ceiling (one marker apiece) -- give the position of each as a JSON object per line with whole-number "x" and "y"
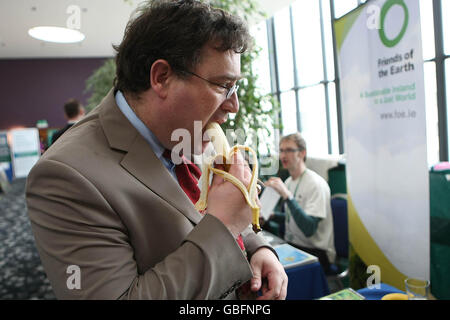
{"x": 102, "y": 21}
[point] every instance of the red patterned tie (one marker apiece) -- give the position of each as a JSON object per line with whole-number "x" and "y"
{"x": 188, "y": 174}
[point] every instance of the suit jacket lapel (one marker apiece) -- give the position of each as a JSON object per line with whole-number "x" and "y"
{"x": 140, "y": 160}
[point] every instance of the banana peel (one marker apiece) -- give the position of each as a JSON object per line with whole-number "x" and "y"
{"x": 225, "y": 154}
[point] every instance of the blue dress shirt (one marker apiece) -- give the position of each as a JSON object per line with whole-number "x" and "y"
{"x": 148, "y": 135}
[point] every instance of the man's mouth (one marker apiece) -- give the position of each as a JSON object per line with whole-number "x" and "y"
{"x": 206, "y": 138}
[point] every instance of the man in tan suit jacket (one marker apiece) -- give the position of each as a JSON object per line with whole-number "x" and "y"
{"x": 110, "y": 220}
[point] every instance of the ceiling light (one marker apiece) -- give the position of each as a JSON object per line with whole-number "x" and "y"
{"x": 56, "y": 34}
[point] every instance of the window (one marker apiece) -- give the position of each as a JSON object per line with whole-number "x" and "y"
{"x": 446, "y": 25}
{"x": 328, "y": 39}
{"x": 431, "y": 112}
{"x": 303, "y": 42}
{"x": 333, "y": 118}
{"x": 284, "y": 49}
{"x": 427, "y": 24}
{"x": 261, "y": 65}
{"x": 308, "y": 41}
{"x": 303, "y": 73}
{"x": 446, "y": 36}
{"x": 288, "y": 112}
{"x": 342, "y": 7}
{"x": 313, "y": 119}
{"x": 447, "y": 81}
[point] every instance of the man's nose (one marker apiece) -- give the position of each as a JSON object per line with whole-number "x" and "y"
{"x": 231, "y": 105}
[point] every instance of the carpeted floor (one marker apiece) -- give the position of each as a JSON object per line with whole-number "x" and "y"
{"x": 21, "y": 273}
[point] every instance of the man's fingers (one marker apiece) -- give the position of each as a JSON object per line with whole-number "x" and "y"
{"x": 283, "y": 293}
{"x": 237, "y": 166}
{"x": 240, "y": 169}
{"x": 258, "y": 202}
{"x": 216, "y": 178}
{"x": 256, "y": 281}
{"x": 274, "y": 288}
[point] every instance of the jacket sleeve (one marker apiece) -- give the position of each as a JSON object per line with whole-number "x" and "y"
{"x": 308, "y": 224}
{"x": 86, "y": 251}
{"x": 254, "y": 241}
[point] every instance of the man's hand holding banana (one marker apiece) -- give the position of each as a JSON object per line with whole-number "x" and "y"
{"x": 226, "y": 202}
{"x": 231, "y": 176}
{"x": 233, "y": 199}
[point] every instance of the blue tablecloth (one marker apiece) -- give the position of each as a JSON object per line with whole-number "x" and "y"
{"x": 376, "y": 294}
{"x": 307, "y": 282}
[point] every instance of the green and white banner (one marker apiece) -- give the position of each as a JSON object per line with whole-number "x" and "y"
{"x": 382, "y": 94}
{"x": 25, "y": 150}
{"x": 5, "y": 155}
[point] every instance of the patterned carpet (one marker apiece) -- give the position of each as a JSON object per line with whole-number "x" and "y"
{"x": 21, "y": 273}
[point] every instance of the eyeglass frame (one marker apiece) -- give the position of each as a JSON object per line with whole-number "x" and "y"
{"x": 289, "y": 150}
{"x": 230, "y": 90}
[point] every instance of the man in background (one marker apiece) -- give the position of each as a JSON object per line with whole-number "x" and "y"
{"x": 73, "y": 111}
{"x": 307, "y": 213}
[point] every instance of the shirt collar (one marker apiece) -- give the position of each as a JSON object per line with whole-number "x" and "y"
{"x": 148, "y": 135}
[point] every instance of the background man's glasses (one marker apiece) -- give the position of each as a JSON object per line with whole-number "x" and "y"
{"x": 230, "y": 90}
{"x": 289, "y": 150}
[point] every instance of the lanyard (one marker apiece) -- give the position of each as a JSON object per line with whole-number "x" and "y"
{"x": 298, "y": 183}
{"x": 294, "y": 195}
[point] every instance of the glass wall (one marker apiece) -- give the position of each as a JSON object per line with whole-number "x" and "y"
{"x": 446, "y": 37}
{"x": 305, "y": 63}
{"x": 300, "y": 46}
{"x": 446, "y": 25}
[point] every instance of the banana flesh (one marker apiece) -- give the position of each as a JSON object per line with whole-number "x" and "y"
{"x": 225, "y": 154}
{"x": 395, "y": 296}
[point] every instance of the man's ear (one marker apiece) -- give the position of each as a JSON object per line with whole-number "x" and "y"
{"x": 303, "y": 154}
{"x": 160, "y": 73}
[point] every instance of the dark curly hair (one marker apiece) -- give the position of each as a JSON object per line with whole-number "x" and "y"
{"x": 175, "y": 31}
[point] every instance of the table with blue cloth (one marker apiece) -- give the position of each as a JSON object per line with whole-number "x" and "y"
{"x": 372, "y": 293}
{"x": 306, "y": 282}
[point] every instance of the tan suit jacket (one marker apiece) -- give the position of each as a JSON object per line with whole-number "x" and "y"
{"x": 99, "y": 199}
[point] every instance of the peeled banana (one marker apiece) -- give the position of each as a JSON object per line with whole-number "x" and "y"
{"x": 225, "y": 153}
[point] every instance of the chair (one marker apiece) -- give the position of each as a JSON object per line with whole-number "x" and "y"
{"x": 340, "y": 226}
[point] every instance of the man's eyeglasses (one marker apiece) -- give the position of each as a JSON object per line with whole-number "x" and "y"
{"x": 289, "y": 150}
{"x": 230, "y": 90}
